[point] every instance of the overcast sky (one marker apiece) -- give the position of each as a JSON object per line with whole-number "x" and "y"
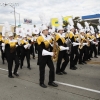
{"x": 49, "y": 8}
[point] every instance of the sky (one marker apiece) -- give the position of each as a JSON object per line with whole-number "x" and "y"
{"x": 34, "y": 9}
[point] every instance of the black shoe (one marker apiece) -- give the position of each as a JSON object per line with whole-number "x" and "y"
{"x": 11, "y": 76}
{"x": 84, "y": 62}
{"x": 95, "y": 57}
{"x": 16, "y": 74}
{"x": 73, "y": 68}
{"x": 91, "y": 57}
{"x": 3, "y": 62}
{"x": 43, "y": 85}
{"x": 33, "y": 57}
{"x": 20, "y": 67}
{"x": 53, "y": 84}
{"x": 29, "y": 68}
{"x": 64, "y": 72}
{"x": 59, "y": 73}
{"x": 81, "y": 63}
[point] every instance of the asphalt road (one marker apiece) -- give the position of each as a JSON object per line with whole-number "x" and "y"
{"x": 81, "y": 84}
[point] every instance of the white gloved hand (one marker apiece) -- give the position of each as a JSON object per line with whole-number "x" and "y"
{"x": 19, "y": 42}
{"x": 67, "y": 48}
{"x": 85, "y": 44}
{"x": 75, "y": 43}
{"x": 29, "y": 46}
{"x": 45, "y": 53}
{"x": 3, "y": 48}
{"x": 32, "y": 39}
{"x": 16, "y": 45}
{"x": 3, "y": 44}
{"x": 26, "y": 46}
{"x": 63, "y": 48}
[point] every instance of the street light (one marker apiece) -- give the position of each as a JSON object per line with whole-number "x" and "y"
{"x": 19, "y": 16}
{"x": 13, "y": 6}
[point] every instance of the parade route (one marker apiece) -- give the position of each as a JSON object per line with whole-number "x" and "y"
{"x": 81, "y": 84}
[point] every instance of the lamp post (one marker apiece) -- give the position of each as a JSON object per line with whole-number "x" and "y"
{"x": 19, "y": 16}
{"x": 13, "y": 6}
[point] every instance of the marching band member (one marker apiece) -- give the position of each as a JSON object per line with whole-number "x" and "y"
{"x": 31, "y": 39}
{"x": 74, "y": 55}
{"x": 60, "y": 68}
{"x": 94, "y": 44}
{"x": 11, "y": 54}
{"x": 25, "y": 50}
{"x": 44, "y": 57}
{"x": 82, "y": 48}
{"x": 36, "y": 34}
{"x": 98, "y": 37}
{"x": 2, "y": 39}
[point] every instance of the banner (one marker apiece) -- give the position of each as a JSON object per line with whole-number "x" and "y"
{"x": 66, "y": 18}
{"x": 27, "y": 21}
{"x": 55, "y": 22}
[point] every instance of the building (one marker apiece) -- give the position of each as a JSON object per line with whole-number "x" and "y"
{"x": 1, "y": 26}
{"x": 92, "y": 18}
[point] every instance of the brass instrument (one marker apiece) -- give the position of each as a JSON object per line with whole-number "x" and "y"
{"x": 55, "y": 49}
{"x": 69, "y": 43}
{"x": 81, "y": 42}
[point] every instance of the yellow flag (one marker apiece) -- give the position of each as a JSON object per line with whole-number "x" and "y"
{"x": 55, "y": 22}
{"x": 66, "y": 18}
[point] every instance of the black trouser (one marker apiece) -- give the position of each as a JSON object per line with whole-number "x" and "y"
{"x": 42, "y": 64}
{"x": 25, "y": 53}
{"x": 10, "y": 57}
{"x": 32, "y": 50}
{"x": 62, "y": 55}
{"x": 94, "y": 50}
{"x": 91, "y": 50}
{"x": 85, "y": 53}
{"x": 81, "y": 55}
{"x": 36, "y": 51}
{"x": 99, "y": 48}
{"x": 74, "y": 52}
{"x": 3, "y": 56}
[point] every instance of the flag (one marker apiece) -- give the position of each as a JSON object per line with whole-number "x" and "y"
{"x": 55, "y": 22}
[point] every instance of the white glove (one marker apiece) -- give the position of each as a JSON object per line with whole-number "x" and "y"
{"x": 77, "y": 39}
{"x": 19, "y": 42}
{"x": 3, "y": 44}
{"x": 45, "y": 53}
{"x": 32, "y": 39}
{"x": 29, "y": 46}
{"x": 3, "y": 48}
{"x": 26, "y": 46}
{"x": 67, "y": 48}
{"x": 52, "y": 45}
{"x": 85, "y": 44}
{"x": 16, "y": 45}
{"x": 75, "y": 43}
{"x": 95, "y": 43}
{"x": 63, "y": 48}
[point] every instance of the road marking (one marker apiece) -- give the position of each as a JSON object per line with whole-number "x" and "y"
{"x": 79, "y": 87}
{"x": 3, "y": 69}
{"x": 70, "y": 85}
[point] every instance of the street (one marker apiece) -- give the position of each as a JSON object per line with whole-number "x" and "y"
{"x": 81, "y": 84}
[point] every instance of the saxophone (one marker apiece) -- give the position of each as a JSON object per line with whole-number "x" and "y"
{"x": 55, "y": 49}
{"x": 81, "y": 42}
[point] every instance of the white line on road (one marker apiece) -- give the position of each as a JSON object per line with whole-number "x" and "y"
{"x": 70, "y": 85}
{"x": 79, "y": 87}
{"x": 3, "y": 69}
